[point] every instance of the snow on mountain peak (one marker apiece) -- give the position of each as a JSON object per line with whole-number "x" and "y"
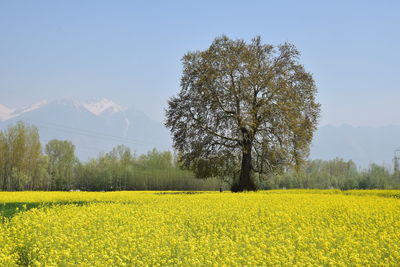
{"x": 5, "y": 112}
{"x": 99, "y": 107}
{"x": 30, "y": 108}
{"x": 8, "y": 113}
{"x": 96, "y": 107}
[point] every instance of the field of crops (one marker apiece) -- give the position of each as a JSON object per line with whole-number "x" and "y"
{"x": 274, "y": 228}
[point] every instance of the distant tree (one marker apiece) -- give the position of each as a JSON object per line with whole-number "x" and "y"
{"x": 122, "y": 153}
{"x": 62, "y": 163}
{"x": 249, "y": 103}
{"x": 42, "y": 177}
{"x": 375, "y": 177}
{"x": 155, "y": 159}
{"x": 118, "y": 163}
{"x": 3, "y": 159}
{"x": 20, "y": 153}
{"x": 33, "y": 156}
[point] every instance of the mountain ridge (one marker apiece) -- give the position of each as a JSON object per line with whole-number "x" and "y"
{"x": 97, "y": 126}
{"x": 362, "y": 144}
{"x": 94, "y": 132}
{"x": 96, "y": 107}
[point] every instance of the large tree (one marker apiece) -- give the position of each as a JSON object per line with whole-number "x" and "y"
{"x": 252, "y": 104}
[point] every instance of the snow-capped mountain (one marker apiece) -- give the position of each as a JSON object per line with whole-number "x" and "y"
{"x": 9, "y": 113}
{"x": 103, "y": 106}
{"x": 5, "y": 113}
{"x": 93, "y": 127}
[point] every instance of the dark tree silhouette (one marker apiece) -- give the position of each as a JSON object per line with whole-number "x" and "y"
{"x": 249, "y": 104}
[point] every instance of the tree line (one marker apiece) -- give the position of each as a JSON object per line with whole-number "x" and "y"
{"x": 27, "y": 165}
{"x": 334, "y": 174}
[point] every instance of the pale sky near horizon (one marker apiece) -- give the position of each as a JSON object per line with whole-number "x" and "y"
{"x": 130, "y": 51}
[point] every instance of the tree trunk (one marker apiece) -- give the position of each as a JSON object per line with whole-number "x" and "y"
{"x": 245, "y": 181}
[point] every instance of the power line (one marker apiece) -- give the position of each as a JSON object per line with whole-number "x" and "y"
{"x": 95, "y": 134}
{"x": 87, "y": 148}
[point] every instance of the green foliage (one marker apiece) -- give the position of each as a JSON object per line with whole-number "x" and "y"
{"x": 335, "y": 173}
{"x": 23, "y": 166}
{"x": 20, "y": 157}
{"x": 61, "y": 164}
{"x": 248, "y": 102}
{"x": 120, "y": 170}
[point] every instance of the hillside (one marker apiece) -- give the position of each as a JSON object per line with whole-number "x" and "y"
{"x": 93, "y": 127}
{"x": 364, "y": 145}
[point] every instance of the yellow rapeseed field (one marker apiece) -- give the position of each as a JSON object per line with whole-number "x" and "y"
{"x": 269, "y": 228}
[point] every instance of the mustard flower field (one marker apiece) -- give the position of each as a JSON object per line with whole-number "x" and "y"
{"x": 268, "y": 228}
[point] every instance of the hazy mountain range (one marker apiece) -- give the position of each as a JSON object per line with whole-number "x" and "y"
{"x": 364, "y": 145}
{"x": 98, "y": 126}
{"x": 93, "y": 127}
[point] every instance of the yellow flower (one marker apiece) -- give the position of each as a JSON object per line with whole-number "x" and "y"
{"x": 269, "y": 228}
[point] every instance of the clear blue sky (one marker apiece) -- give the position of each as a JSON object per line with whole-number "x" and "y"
{"x": 130, "y": 51}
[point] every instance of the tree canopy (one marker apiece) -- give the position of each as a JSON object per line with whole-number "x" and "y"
{"x": 21, "y": 162}
{"x": 62, "y": 161}
{"x": 243, "y": 106}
